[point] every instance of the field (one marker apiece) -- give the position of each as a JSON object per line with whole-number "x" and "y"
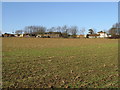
{"x": 59, "y": 63}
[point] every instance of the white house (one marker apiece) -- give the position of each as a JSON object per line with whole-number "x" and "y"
{"x": 93, "y": 35}
{"x": 39, "y": 35}
{"x": 102, "y": 34}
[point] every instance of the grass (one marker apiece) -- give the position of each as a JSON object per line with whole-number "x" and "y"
{"x": 60, "y": 63}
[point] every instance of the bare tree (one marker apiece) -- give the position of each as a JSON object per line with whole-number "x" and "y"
{"x": 65, "y": 31}
{"x": 82, "y": 31}
{"x": 58, "y": 29}
{"x": 35, "y": 29}
{"x": 41, "y": 29}
{"x": 19, "y": 31}
{"x": 52, "y": 29}
{"x": 28, "y": 29}
{"x": 115, "y": 30}
{"x": 73, "y": 30}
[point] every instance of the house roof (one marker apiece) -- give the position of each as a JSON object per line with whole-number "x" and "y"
{"x": 81, "y": 35}
{"x": 54, "y": 32}
{"x": 93, "y": 34}
{"x": 7, "y": 34}
{"x": 101, "y": 32}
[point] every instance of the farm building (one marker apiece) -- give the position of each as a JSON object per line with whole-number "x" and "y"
{"x": 102, "y": 34}
{"x": 17, "y": 35}
{"x": 50, "y": 35}
{"x": 22, "y": 35}
{"x": 25, "y": 35}
{"x": 80, "y": 36}
{"x": 93, "y": 36}
{"x": 8, "y": 35}
{"x": 55, "y": 34}
{"x": 39, "y": 35}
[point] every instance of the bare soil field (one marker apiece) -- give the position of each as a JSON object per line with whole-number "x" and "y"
{"x": 59, "y": 63}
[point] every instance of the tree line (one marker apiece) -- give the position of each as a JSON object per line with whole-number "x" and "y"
{"x": 115, "y": 30}
{"x": 66, "y": 30}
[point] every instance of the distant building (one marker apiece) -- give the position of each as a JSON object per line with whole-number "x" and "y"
{"x": 80, "y": 36}
{"x": 39, "y": 35}
{"x": 50, "y": 35}
{"x": 25, "y": 35}
{"x": 55, "y": 34}
{"x": 17, "y": 35}
{"x": 102, "y": 34}
{"x": 77, "y": 36}
{"x": 8, "y": 35}
{"x": 93, "y": 36}
{"x": 22, "y": 35}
